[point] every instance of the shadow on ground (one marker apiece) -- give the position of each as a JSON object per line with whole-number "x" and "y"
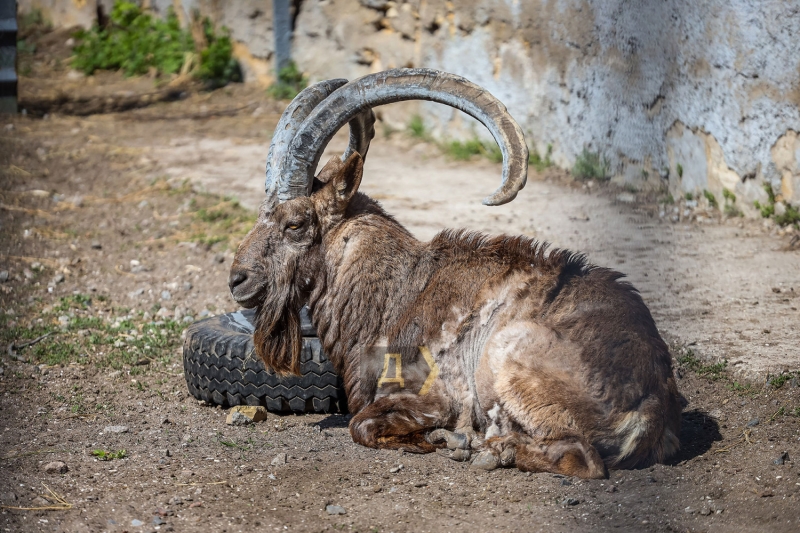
{"x": 699, "y": 431}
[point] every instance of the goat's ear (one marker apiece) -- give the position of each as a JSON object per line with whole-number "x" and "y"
{"x": 346, "y": 182}
{"x": 342, "y": 179}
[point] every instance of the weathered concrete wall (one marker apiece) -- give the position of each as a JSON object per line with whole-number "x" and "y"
{"x": 711, "y": 85}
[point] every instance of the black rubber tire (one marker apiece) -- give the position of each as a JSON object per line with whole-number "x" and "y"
{"x": 221, "y": 367}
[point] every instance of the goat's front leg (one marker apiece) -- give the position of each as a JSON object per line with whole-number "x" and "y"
{"x": 399, "y": 421}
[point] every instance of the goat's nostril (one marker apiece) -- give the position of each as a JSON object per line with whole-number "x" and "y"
{"x": 236, "y": 279}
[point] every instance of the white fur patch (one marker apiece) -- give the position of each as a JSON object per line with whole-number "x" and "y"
{"x": 632, "y": 428}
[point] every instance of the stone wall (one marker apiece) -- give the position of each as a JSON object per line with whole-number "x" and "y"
{"x": 711, "y": 87}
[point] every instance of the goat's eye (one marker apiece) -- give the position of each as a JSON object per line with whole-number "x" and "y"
{"x": 294, "y": 225}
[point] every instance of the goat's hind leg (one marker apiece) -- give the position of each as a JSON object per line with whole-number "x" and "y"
{"x": 401, "y": 421}
{"x": 565, "y": 454}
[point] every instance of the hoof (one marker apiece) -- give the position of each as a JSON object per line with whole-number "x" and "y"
{"x": 508, "y": 457}
{"x": 455, "y": 455}
{"x": 486, "y": 461}
{"x": 454, "y": 441}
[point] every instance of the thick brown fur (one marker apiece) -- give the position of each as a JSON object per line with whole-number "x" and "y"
{"x": 557, "y": 361}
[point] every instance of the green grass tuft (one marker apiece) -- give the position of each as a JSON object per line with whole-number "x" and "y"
{"x": 108, "y": 456}
{"x": 538, "y": 162}
{"x": 416, "y": 128}
{"x": 713, "y": 372}
{"x": 591, "y": 165}
{"x": 290, "y": 82}
{"x": 712, "y": 200}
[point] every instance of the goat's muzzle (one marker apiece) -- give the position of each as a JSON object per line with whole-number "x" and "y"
{"x": 243, "y": 288}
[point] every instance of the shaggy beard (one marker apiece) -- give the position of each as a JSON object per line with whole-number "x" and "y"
{"x": 277, "y": 337}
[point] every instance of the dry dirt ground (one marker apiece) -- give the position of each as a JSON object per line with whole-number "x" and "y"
{"x": 117, "y": 230}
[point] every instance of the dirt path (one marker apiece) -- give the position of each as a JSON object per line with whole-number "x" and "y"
{"x": 113, "y": 261}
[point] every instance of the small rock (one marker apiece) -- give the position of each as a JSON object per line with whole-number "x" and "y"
{"x": 717, "y": 414}
{"x": 3, "y": 276}
{"x": 166, "y": 295}
{"x": 27, "y": 273}
{"x": 8, "y": 497}
{"x": 74, "y": 75}
{"x": 570, "y": 502}
{"x": 143, "y": 204}
{"x": 279, "y": 459}
{"x": 56, "y": 467}
{"x": 689, "y": 510}
{"x": 626, "y": 198}
{"x": 754, "y": 422}
{"x": 335, "y": 509}
{"x": 63, "y": 320}
{"x": 395, "y": 469}
{"x": 58, "y": 278}
{"x": 116, "y": 429}
{"x": 705, "y": 511}
{"x": 188, "y": 319}
{"x": 241, "y": 415}
{"x": 205, "y": 313}
{"x": 136, "y": 523}
{"x": 158, "y": 521}
{"x": 187, "y": 286}
{"x": 219, "y": 258}
{"x": 782, "y": 458}
{"x": 611, "y": 488}
{"x": 767, "y": 493}
{"x": 97, "y": 245}
{"x": 135, "y": 294}
{"x": 566, "y": 482}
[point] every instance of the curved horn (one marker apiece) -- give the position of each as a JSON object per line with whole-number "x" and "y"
{"x": 409, "y": 84}
{"x": 362, "y": 131}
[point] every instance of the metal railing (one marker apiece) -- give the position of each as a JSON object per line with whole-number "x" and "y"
{"x": 8, "y": 56}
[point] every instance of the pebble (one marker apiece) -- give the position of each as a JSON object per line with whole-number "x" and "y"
{"x": 166, "y": 295}
{"x": 754, "y": 422}
{"x": 58, "y": 278}
{"x": 395, "y": 469}
{"x": 158, "y": 521}
{"x": 3, "y": 276}
{"x": 116, "y": 429}
{"x": 242, "y": 415}
{"x": 781, "y": 459}
{"x": 570, "y": 502}
{"x": 335, "y": 509}
{"x": 705, "y": 511}
{"x": 219, "y": 258}
{"x": 134, "y": 294}
{"x": 612, "y": 488}
{"x": 56, "y": 467}
{"x": 279, "y": 459}
{"x": 97, "y": 245}
{"x": 187, "y": 286}
{"x": 63, "y": 320}
{"x": 136, "y": 523}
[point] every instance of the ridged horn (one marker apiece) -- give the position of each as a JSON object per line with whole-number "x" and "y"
{"x": 397, "y": 85}
{"x": 361, "y": 133}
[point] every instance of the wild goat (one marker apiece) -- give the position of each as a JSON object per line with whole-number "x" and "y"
{"x": 476, "y": 345}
